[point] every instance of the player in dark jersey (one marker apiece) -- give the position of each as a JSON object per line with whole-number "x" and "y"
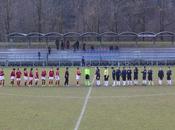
{"x": 12, "y": 77}
{"x": 124, "y": 74}
{"x": 97, "y": 73}
{"x": 150, "y": 77}
{"x": 129, "y": 76}
{"x": 66, "y": 76}
{"x": 160, "y": 75}
{"x": 113, "y": 76}
{"x": 144, "y": 76}
{"x": 136, "y": 72}
{"x": 118, "y": 74}
{"x": 169, "y": 74}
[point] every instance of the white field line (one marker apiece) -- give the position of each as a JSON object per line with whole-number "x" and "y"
{"x": 134, "y": 96}
{"x": 84, "y": 106}
{"x": 91, "y": 97}
{"x": 33, "y": 96}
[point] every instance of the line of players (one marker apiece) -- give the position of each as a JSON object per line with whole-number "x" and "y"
{"x": 119, "y": 76}
{"x": 128, "y": 77}
{"x": 32, "y": 77}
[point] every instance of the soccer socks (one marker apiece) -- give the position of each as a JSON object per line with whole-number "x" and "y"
{"x": 98, "y": 82}
{"x": 124, "y": 83}
{"x": 106, "y": 83}
{"x": 160, "y": 82}
{"x": 169, "y": 82}
{"x": 113, "y": 83}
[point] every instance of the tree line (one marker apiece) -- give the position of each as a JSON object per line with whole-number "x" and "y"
{"x": 86, "y": 15}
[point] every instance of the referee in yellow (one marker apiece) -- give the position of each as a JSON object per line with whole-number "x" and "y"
{"x": 106, "y": 77}
{"x": 87, "y": 73}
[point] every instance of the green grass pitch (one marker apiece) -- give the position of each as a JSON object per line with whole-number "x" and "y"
{"x": 112, "y": 108}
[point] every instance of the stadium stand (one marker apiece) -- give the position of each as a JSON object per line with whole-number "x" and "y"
{"x": 100, "y": 55}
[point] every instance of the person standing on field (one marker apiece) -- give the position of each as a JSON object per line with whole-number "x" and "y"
{"x": 129, "y": 76}
{"x": 113, "y": 76}
{"x": 160, "y": 75}
{"x": 18, "y": 77}
{"x": 136, "y": 71}
{"x": 124, "y": 74}
{"x": 57, "y": 77}
{"x": 66, "y": 76}
{"x": 31, "y": 77}
{"x": 25, "y": 76}
{"x": 12, "y": 77}
{"x": 150, "y": 77}
{"x": 43, "y": 76}
{"x": 97, "y": 73}
{"x": 51, "y": 77}
{"x": 144, "y": 76}
{"x": 78, "y": 74}
{"x": 118, "y": 75}
{"x": 36, "y": 77}
{"x": 169, "y": 74}
{"x": 2, "y": 80}
{"x": 106, "y": 77}
{"x": 87, "y": 73}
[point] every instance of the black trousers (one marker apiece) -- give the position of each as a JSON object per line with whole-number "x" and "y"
{"x": 66, "y": 81}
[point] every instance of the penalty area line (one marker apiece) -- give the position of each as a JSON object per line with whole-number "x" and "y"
{"x": 84, "y": 106}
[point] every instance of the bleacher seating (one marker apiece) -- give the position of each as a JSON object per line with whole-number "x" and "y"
{"x": 125, "y": 54}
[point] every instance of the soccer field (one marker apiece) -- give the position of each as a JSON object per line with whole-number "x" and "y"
{"x": 112, "y": 108}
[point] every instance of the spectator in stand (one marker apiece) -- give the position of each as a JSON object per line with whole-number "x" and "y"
{"x": 111, "y": 48}
{"x": 83, "y": 61}
{"x": 67, "y": 44}
{"x": 77, "y": 45}
{"x": 116, "y": 48}
{"x": 39, "y": 55}
{"x": 84, "y": 46}
{"x": 57, "y": 43}
{"x": 74, "y": 46}
{"x": 92, "y": 47}
{"x": 62, "y": 45}
{"x": 49, "y": 50}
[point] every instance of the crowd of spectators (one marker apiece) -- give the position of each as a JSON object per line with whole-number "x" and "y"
{"x": 66, "y": 45}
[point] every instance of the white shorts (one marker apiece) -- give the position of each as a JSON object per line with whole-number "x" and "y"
{"x": 25, "y": 78}
{"x": 30, "y": 78}
{"x": 36, "y": 79}
{"x": 77, "y": 77}
{"x": 43, "y": 78}
{"x": 1, "y": 77}
{"x": 18, "y": 79}
{"x": 12, "y": 78}
{"x": 57, "y": 78}
{"x": 51, "y": 78}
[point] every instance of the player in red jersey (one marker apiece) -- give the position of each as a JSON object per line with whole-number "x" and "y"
{"x": 2, "y": 80}
{"x": 36, "y": 76}
{"x": 18, "y": 77}
{"x": 31, "y": 77}
{"x": 51, "y": 76}
{"x": 43, "y": 76}
{"x": 57, "y": 77}
{"x": 78, "y": 74}
{"x": 25, "y": 76}
{"x": 12, "y": 77}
